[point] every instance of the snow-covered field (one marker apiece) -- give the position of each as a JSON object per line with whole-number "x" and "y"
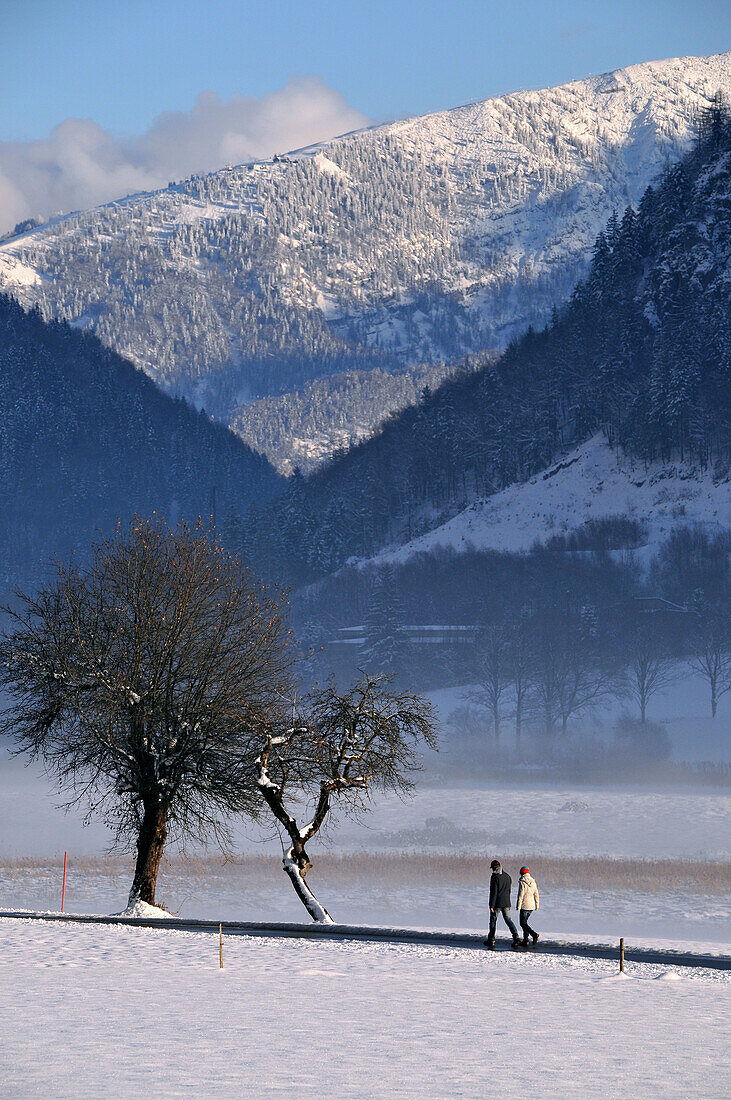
{"x": 124, "y": 1012}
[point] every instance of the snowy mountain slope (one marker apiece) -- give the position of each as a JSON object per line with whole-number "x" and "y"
{"x": 639, "y": 354}
{"x": 329, "y": 414}
{"x": 410, "y": 242}
{"x": 591, "y": 482}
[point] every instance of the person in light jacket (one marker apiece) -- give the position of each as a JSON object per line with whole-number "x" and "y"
{"x": 500, "y": 883}
{"x": 527, "y": 903}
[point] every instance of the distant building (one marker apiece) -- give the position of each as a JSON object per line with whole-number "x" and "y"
{"x": 348, "y": 637}
{"x": 653, "y": 604}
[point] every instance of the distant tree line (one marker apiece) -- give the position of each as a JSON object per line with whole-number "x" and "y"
{"x": 548, "y": 635}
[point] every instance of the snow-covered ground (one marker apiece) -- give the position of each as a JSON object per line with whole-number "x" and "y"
{"x": 591, "y": 482}
{"x": 563, "y": 821}
{"x": 125, "y": 1012}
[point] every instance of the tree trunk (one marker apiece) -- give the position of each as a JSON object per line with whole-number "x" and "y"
{"x": 150, "y": 845}
{"x": 714, "y": 698}
{"x": 296, "y": 862}
{"x": 496, "y": 719}
{"x": 297, "y": 867}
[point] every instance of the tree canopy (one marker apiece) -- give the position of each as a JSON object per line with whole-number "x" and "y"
{"x": 142, "y": 679}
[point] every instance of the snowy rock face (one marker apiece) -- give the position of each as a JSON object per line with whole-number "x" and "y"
{"x": 411, "y": 242}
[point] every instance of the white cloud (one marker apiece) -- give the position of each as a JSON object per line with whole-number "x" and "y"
{"x": 80, "y": 164}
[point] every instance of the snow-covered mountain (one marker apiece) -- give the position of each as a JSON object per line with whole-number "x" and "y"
{"x": 639, "y": 357}
{"x": 411, "y": 242}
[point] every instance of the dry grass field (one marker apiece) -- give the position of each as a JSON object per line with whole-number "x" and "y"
{"x": 395, "y": 870}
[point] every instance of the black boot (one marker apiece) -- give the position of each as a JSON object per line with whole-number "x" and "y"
{"x": 517, "y": 945}
{"x": 536, "y": 936}
{"x": 489, "y": 942}
{"x": 526, "y": 941}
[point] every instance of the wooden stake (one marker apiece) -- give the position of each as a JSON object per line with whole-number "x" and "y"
{"x": 63, "y": 888}
{"x": 220, "y": 945}
{"x": 621, "y": 956}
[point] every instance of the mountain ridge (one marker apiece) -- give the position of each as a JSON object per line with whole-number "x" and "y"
{"x": 410, "y": 242}
{"x": 592, "y": 483}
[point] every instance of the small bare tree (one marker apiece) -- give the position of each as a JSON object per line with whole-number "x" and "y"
{"x": 493, "y": 674}
{"x": 711, "y": 654}
{"x": 520, "y": 666}
{"x": 584, "y": 683}
{"x": 140, "y": 679}
{"x": 342, "y": 748}
{"x": 568, "y": 671}
{"x": 547, "y": 671}
{"x": 649, "y": 669}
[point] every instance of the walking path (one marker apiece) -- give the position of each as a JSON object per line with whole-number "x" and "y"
{"x": 388, "y": 935}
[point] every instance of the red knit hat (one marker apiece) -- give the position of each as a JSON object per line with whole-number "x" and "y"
{"x": 525, "y": 870}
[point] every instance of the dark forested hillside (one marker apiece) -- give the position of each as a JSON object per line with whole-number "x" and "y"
{"x": 86, "y": 438}
{"x": 641, "y": 351}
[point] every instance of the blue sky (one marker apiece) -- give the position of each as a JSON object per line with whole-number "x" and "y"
{"x": 122, "y": 64}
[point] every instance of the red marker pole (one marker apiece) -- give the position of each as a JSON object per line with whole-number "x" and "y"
{"x": 63, "y": 891}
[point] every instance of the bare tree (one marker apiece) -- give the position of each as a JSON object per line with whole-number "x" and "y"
{"x": 340, "y": 747}
{"x": 520, "y": 670}
{"x": 547, "y": 676}
{"x": 650, "y": 668}
{"x": 569, "y": 673}
{"x": 587, "y": 677}
{"x": 711, "y": 655}
{"x": 140, "y": 679}
{"x": 493, "y": 674}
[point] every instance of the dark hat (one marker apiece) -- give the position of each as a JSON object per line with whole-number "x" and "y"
{"x": 495, "y": 863}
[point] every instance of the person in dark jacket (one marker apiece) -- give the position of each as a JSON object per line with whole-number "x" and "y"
{"x": 500, "y": 883}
